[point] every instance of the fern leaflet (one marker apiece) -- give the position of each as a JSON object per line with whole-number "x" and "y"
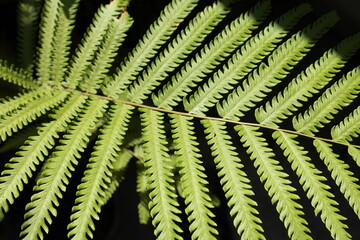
{"x": 279, "y": 64}
{"x": 234, "y": 181}
{"x": 275, "y": 181}
{"x": 193, "y": 180}
{"x": 56, "y": 172}
{"x": 163, "y": 204}
{"x": 159, "y": 32}
{"x": 21, "y": 168}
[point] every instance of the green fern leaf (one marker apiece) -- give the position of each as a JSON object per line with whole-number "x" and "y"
{"x": 36, "y": 148}
{"x": 238, "y": 66}
{"x": 89, "y": 44}
{"x": 234, "y": 181}
{"x": 275, "y": 181}
{"x": 307, "y": 83}
{"x": 193, "y": 179}
{"x": 16, "y": 121}
{"x": 313, "y": 183}
{"x": 222, "y": 46}
{"x": 355, "y": 153}
{"x": 98, "y": 173}
{"x": 343, "y": 177}
{"x": 16, "y": 141}
{"x": 159, "y": 32}
{"x": 163, "y": 205}
{"x": 182, "y": 45}
{"x": 117, "y": 174}
{"x": 62, "y": 40}
{"x": 338, "y": 96}
{"x": 108, "y": 50}
{"x": 348, "y": 129}
{"x": 56, "y": 172}
{"x": 197, "y": 56}
{"x": 16, "y": 76}
{"x": 280, "y": 62}
{"x": 11, "y": 105}
{"x": 50, "y": 13}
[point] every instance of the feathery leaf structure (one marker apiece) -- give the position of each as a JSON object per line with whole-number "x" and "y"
{"x": 234, "y": 181}
{"x": 275, "y": 182}
{"x": 54, "y": 175}
{"x": 62, "y": 40}
{"x": 200, "y": 59}
{"x": 14, "y": 104}
{"x": 98, "y": 173}
{"x": 349, "y": 128}
{"x": 93, "y": 38}
{"x": 238, "y": 66}
{"x": 222, "y": 46}
{"x": 12, "y": 123}
{"x": 158, "y": 33}
{"x": 182, "y": 45}
{"x": 273, "y": 113}
{"x": 313, "y": 184}
{"x": 340, "y": 173}
{"x": 50, "y": 13}
{"x": 278, "y": 66}
{"x": 118, "y": 171}
{"x": 159, "y": 172}
{"x": 341, "y": 93}
{"x": 193, "y": 180}
{"x": 106, "y": 54}
{"x": 16, "y": 76}
{"x": 36, "y": 148}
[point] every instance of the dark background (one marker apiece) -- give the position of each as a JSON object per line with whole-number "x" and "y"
{"x": 119, "y": 217}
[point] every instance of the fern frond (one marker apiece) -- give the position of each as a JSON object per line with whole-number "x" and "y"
{"x": 10, "y": 105}
{"x": 338, "y": 96}
{"x": 238, "y": 66}
{"x": 16, "y": 141}
{"x": 62, "y": 40}
{"x": 305, "y": 85}
{"x": 343, "y": 178}
{"x": 193, "y": 60}
{"x": 193, "y": 179}
{"x": 275, "y": 182}
{"x": 313, "y": 184}
{"x": 27, "y": 20}
{"x": 234, "y": 181}
{"x": 21, "y": 167}
{"x": 210, "y": 56}
{"x": 106, "y": 53}
{"x": 49, "y": 16}
{"x": 15, "y": 75}
{"x": 163, "y": 205}
{"x": 56, "y": 172}
{"x": 280, "y": 62}
{"x": 92, "y": 39}
{"x": 158, "y": 33}
{"x": 176, "y": 52}
{"x": 13, "y": 123}
{"x": 348, "y": 129}
{"x": 97, "y": 174}
{"x": 355, "y": 153}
